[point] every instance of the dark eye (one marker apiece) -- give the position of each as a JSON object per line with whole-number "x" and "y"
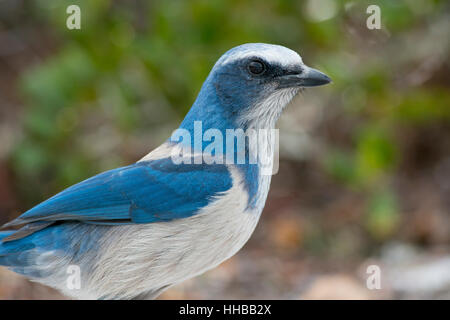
{"x": 256, "y": 67}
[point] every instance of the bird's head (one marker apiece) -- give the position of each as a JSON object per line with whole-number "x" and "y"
{"x": 252, "y": 83}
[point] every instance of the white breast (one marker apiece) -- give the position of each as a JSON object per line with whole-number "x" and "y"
{"x": 139, "y": 258}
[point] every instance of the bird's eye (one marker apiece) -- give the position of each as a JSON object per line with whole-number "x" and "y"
{"x": 256, "y": 67}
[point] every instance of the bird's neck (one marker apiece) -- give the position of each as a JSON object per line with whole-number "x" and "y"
{"x": 207, "y": 120}
{"x": 209, "y": 126}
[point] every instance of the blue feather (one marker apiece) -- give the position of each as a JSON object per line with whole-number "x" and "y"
{"x": 48, "y": 246}
{"x": 144, "y": 192}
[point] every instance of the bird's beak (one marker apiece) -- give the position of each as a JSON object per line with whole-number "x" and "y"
{"x": 309, "y": 77}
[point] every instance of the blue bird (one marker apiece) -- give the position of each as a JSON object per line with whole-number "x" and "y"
{"x": 134, "y": 231}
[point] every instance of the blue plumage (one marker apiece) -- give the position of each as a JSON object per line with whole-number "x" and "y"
{"x": 25, "y": 255}
{"x": 144, "y": 192}
{"x": 136, "y": 230}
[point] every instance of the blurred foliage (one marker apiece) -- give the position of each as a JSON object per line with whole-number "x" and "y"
{"x": 137, "y": 66}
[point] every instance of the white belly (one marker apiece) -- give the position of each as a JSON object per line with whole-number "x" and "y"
{"x": 139, "y": 258}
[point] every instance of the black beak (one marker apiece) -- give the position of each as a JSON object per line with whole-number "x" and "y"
{"x": 309, "y": 77}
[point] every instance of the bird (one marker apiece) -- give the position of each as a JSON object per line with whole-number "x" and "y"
{"x": 137, "y": 230}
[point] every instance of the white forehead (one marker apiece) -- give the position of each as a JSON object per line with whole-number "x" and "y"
{"x": 269, "y": 52}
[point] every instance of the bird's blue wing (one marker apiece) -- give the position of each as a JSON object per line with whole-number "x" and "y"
{"x": 145, "y": 192}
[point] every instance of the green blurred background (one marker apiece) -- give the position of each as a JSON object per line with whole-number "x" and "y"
{"x": 365, "y": 162}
